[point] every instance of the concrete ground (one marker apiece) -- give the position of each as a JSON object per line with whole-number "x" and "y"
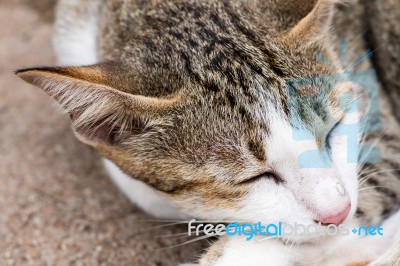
{"x": 57, "y": 206}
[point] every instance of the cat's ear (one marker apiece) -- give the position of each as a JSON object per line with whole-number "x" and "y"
{"x": 99, "y": 112}
{"x": 315, "y": 25}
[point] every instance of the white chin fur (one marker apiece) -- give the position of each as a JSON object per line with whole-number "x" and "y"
{"x": 144, "y": 196}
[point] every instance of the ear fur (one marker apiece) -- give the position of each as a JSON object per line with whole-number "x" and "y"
{"x": 99, "y": 112}
{"x": 315, "y": 25}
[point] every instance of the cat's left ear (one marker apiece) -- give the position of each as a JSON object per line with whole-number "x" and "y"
{"x": 94, "y": 97}
{"x": 314, "y": 26}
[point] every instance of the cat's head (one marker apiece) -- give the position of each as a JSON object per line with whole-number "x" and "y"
{"x": 248, "y": 131}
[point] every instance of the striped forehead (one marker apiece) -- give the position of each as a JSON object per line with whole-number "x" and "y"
{"x": 312, "y": 102}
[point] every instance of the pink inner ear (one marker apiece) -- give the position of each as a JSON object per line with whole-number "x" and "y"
{"x": 102, "y": 131}
{"x": 109, "y": 132}
{"x": 99, "y": 113}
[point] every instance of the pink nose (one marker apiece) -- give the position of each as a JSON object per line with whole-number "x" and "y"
{"x": 337, "y": 218}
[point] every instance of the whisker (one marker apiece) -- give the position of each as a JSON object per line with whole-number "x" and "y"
{"x": 145, "y": 230}
{"x": 372, "y": 145}
{"x": 187, "y": 242}
{"x": 365, "y": 178}
{"x": 269, "y": 237}
{"x": 362, "y": 189}
{"x": 289, "y": 249}
{"x": 368, "y": 54}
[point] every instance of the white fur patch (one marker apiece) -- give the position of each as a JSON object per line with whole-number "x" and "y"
{"x": 76, "y": 32}
{"x": 144, "y": 196}
{"x": 238, "y": 251}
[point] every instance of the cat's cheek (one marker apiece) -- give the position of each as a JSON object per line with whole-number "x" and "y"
{"x": 270, "y": 203}
{"x": 210, "y": 200}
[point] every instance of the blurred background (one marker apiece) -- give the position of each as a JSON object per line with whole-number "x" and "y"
{"x": 57, "y": 206}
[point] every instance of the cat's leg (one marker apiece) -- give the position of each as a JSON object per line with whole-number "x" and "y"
{"x": 392, "y": 255}
{"x": 237, "y": 251}
{"x": 75, "y": 32}
{"x": 380, "y": 249}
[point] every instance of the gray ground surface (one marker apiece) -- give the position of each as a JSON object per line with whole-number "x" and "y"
{"x": 57, "y": 206}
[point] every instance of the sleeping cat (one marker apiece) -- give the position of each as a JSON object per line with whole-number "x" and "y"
{"x": 193, "y": 107}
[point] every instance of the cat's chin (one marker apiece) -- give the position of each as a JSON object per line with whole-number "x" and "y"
{"x": 305, "y": 240}
{"x": 316, "y": 235}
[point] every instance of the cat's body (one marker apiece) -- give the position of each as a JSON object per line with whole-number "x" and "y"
{"x": 190, "y": 98}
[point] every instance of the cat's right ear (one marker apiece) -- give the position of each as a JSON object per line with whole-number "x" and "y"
{"x": 100, "y": 112}
{"x": 314, "y": 26}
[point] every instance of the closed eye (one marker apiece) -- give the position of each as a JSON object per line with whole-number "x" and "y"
{"x": 331, "y": 134}
{"x": 266, "y": 175}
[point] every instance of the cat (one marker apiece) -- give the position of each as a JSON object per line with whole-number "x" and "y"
{"x": 191, "y": 104}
